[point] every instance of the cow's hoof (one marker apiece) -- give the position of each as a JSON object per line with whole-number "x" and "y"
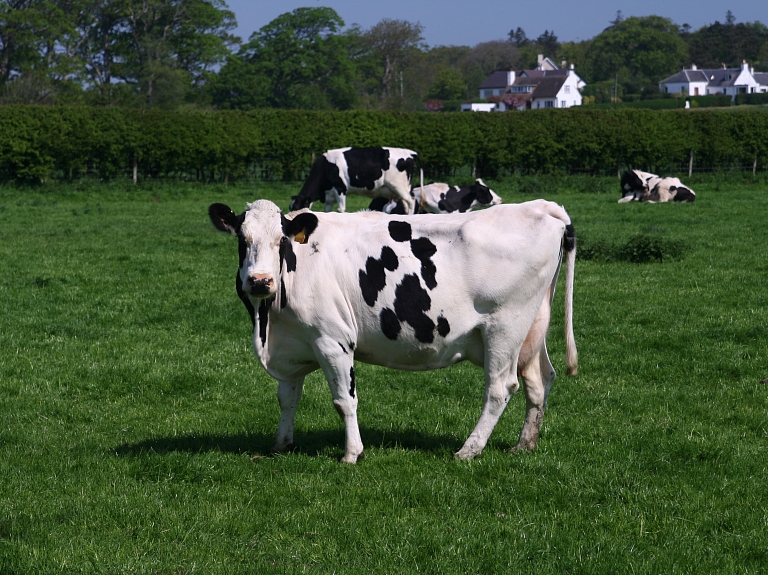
{"x": 277, "y": 450}
{"x": 466, "y": 454}
{"x": 523, "y": 446}
{"x": 352, "y": 459}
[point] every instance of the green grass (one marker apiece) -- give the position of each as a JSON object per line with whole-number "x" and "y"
{"x": 135, "y": 420}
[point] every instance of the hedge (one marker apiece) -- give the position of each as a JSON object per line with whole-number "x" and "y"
{"x": 38, "y": 143}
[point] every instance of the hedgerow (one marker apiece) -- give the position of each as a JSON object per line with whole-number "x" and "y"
{"x": 38, "y": 143}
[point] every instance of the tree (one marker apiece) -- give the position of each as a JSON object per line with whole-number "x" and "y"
{"x": 548, "y": 43}
{"x": 637, "y": 49}
{"x": 299, "y": 60}
{"x": 387, "y": 49}
{"x": 518, "y": 38}
{"x": 448, "y": 85}
{"x": 729, "y": 44}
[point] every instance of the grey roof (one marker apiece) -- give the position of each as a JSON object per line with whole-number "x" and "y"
{"x": 761, "y": 78}
{"x": 543, "y": 73}
{"x": 544, "y": 87}
{"x": 495, "y": 80}
{"x": 687, "y": 76}
{"x": 715, "y": 77}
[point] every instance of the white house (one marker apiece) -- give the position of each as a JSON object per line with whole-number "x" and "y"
{"x": 548, "y": 86}
{"x": 723, "y": 81}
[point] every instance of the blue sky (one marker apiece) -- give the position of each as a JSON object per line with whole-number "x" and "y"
{"x": 463, "y": 23}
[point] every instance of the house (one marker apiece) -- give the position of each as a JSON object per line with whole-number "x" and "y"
{"x": 723, "y": 81}
{"x": 548, "y": 86}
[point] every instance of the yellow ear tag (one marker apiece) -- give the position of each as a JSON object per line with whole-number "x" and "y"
{"x": 301, "y": 237}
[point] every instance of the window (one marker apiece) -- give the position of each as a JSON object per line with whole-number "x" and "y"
{"x": 562, "y": 104}
{"x": 549, "y": 104}
{"x": 567, "y": 89}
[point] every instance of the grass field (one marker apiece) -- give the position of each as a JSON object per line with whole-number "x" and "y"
{"x": 136, "y": 422}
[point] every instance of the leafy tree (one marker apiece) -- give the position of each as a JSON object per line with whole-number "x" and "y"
{"x": 448, "y": 85}
{"x": 387, "y": 49}
{"x": 637, "y": 49}
{"x": 729, "y": 44}
{"x": 299, "y": 60}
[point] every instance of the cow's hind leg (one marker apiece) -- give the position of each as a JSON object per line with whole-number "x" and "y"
{"x": 337, "y": 363}
{"x": 538, "y": 374}
{"x": 288, "y": 395}
{"x": 500, "y": 383}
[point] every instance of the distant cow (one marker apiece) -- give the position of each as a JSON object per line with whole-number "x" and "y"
{"x": 414, "y": 292}
{"x": 441, "y": 198}
{"x": 636, "y": 184}
{"x": 370, "y": 172}
{"x": 640, "y": 186}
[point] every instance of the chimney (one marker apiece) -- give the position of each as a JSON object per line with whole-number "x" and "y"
{"x": 723, "y": 65}
{"x": 693, "y": 67}
{"x": 571, "y": 71}
{"x": 541, "y": 60}
{"x": 744, "y": 65}
{"x": 510, "y": 77}
{"x": 563, "y": 64}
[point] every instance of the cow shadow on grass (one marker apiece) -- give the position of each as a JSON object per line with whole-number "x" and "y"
{"x": 312, "y": 443}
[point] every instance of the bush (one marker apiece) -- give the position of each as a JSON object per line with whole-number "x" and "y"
{"x": 752, "y": 99}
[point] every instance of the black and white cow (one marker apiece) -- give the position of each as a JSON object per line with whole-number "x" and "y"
{"x": 670, "y": 190}
{"x": 373, "y": 171}
{"x": 637, "y": 186}
{"x": 415, "y": 292}
{"x": 439, "y": 198}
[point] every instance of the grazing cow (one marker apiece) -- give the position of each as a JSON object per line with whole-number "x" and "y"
{"x": 370, "y": 172}
{"x": 635, "y": 185}
{"x": 442, "y": 199}
{"x": 414, "y": 292}
{"x": 670, "y": 190}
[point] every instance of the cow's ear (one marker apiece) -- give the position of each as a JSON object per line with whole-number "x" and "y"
{"x": 300, "y": 227}
{"x": 224, "y": 218}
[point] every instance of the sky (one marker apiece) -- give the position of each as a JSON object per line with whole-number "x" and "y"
{"x": 468, "y": 23}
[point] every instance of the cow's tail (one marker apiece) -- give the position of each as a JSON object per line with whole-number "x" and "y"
{"x": 569, "y": 247}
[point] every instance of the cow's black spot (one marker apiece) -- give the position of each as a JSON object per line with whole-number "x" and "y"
{"x": 443, "y": 328}
{"x": 424, "y": 249}
{"x": 406, "y": 165}
{"x": 352, "y": 381}
{"x": 373, "y": 278}
{"x": 264, "y": 319}
{"x": 244, "y": 298}
{"x": 684, "y": 195}
{"x": 287, "y": 254}
{"x": 400, "y": 231}
{"x": 411, "y": 301}
{"x": 366, "y": 165}
{"x": 390, "y": 325}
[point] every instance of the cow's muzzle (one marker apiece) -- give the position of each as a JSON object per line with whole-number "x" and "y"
{"x": 259, "y": 285}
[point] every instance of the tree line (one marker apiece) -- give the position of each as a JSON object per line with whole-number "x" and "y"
{"x": 174, "y": 54}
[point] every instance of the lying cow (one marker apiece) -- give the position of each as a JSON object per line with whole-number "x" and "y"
{"x": 636, "y": 184}
{"x": 445, "y": 199}
{"x": 367, "y": 171}
{"x": 644, "y": 187}
{"x": 411, "y": 292}
{"x": 442, "y": 199}
{"x": 670, "y": 190}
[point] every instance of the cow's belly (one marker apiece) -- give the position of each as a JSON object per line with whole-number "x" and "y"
{"x": 409, "y": 354}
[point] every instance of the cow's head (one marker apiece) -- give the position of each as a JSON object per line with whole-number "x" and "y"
{"x": 484, "y": 194}
{"x": 262, "y": 231}
{"x": 299, "y": 203}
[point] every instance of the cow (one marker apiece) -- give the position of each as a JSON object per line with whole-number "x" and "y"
{"x": 414, "y": 292}
{"x": 636, "y": 184}
{"x": 444, "y": 199}
{"x": 644, "y": 187}
{"x": 441, "y": 198}
{"x": 670, "y": 190}
{"x": 373, "y": 171}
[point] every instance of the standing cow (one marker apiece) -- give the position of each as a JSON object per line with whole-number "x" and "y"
{"x": 411, "y": 292}
{"x": 441, "y": 198}
{"x": 370, "y": 172}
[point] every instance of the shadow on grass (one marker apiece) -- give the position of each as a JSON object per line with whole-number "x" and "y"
{"x": 310, "y": 443}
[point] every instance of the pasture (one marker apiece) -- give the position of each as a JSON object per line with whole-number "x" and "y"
{"x": 136, "y": 422}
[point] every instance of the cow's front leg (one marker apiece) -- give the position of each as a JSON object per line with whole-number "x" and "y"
{"x": 337, "y": 363}
{"x": 288, "y": 395}
{"x": 500, "y": 384}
